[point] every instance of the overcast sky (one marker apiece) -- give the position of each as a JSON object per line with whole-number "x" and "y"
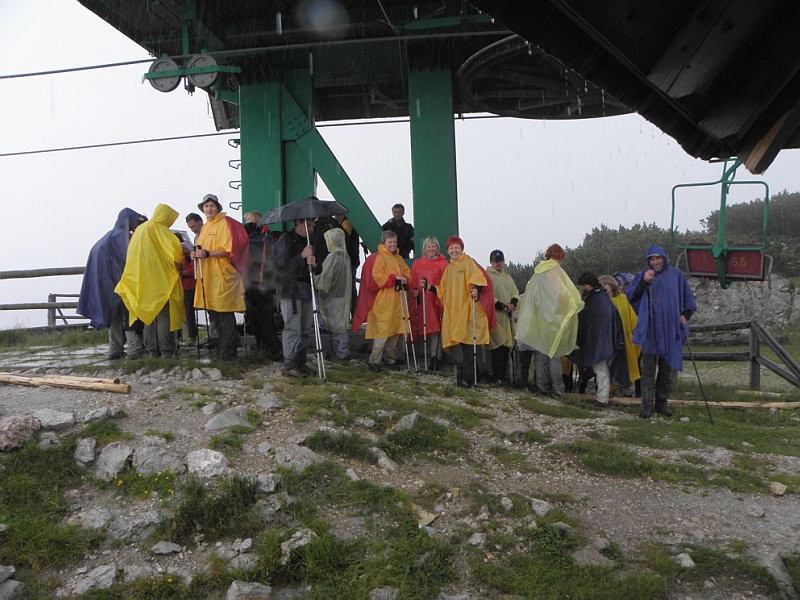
{"x": 522, "y": 184}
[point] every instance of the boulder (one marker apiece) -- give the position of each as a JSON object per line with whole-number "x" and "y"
{"x": 100, "y": 578}
{"x": 248, "y": 590}
{"x": 111, "y": 460}
{"x": 207, "y": 463}
{"x": 53, "y": 419}
{"x": 233, "y": 417}
{"x": 297, "y": 458}
{"x": 149, "y": 460}
{"x": 16, "y": 430}
{"x": 84, "y": 451}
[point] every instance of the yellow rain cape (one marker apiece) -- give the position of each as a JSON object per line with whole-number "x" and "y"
{"x": 453, "y": 291}
{"x": 504, "y": 290}
{"x": 151, "y": 277}
{"x": 385, "y": 319}
{"x": 548, "y": 311}
{"x": 628, "y": 316}
{"x": 222, "y": 289}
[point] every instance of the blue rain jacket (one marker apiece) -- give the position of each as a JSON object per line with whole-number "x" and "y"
{"x": 97, "y": 301}
{"x": 658, "y": 330}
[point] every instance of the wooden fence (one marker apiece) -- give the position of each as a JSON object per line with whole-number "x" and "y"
{"x": 789, "y": 370}
{"x": 53, "y": 306}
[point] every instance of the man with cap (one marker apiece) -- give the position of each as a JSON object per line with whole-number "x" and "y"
{"x": 223, "y": 251}
{"x": 403, "y": 230}
{"x": 664, "y": 303}
{"x": 506, "y": 296}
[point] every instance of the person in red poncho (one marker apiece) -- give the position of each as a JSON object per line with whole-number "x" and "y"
{"x": 424, "y": 306}
{"x": 464, "y": 286}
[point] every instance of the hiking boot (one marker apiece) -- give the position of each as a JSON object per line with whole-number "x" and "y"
{"x": 664, "y": 412}
{"x": 375, "y": 368}
{"x": 465, "y": 384}
{"x": 294, "y": 372}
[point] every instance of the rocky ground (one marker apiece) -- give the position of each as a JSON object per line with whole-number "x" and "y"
{"x": 190, "y": 406}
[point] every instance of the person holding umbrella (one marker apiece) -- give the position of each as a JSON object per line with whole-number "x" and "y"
{"x": 223, "y": 251}
{"x": 467, "y": 294}
{"x": 382, "y": 277}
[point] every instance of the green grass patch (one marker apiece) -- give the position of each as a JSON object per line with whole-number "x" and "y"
{"x": 166, "y": 435}
{"x": 792, "y": 563}
{"x": 227, "y": 442}
{"x": 254, "y": 417}
{"x": 426, "y": 437}
{"x": 226, "y": 509}
{"x": 560, "y": 411}
{"x": 508, "y": 458}
{"x": 144, "y": 486}
{"x": 430, "y": 494}
{"x": 766, "y": 433}
{"x": 105, "y": 432}
{"x": 32, "y": 486}
{"x": 465, "y": 418}
{"x": 534, "y": 436}
{"x": 343, "y": 444}
{"x": 67, "y": 338}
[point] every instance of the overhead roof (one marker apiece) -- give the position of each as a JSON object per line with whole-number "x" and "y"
{"x": 719, "y": 76}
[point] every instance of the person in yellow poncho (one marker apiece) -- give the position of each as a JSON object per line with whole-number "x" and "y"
{"x": 220, "y": 289}
{"x": 150, "y": 286}
{"x": 459, "y": 291}
{"x": 548, "y": 321}
{"x": 506, "y": 297}
{"x": 629, "y": 319}
{"x": 379, "y": 301}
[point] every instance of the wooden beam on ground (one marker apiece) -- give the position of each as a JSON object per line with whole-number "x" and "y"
{"x": 736, "y": 405}
{"x": 67, "y": 381}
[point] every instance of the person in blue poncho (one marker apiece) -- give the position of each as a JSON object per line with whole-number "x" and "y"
{"x": 97, "y": 301}
{"x": 664, "y": 303}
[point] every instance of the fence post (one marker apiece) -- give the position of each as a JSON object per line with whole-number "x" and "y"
{"x": 755, "y": 367}
{"x": 51, "y": 312}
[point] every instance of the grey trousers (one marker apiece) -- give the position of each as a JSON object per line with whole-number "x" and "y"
{"x": 225, "y": 323}
{"x": 341, "y": 344}
{"x": 603, "y": 377}
{"x": 158, "y": 339}
{"x": 383, "y": 350}
{"x": 116, "y": 334}
{"x": 298, "y": 331}
{"x": 548, "y": 373}
{"x": 656, "y": 387}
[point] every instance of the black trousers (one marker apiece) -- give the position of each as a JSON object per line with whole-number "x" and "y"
{"x": 260, "y": 321}
{"x": 500, "y": 362}
{"x": 228, "y": 336}
{"x": 656, "y": 383}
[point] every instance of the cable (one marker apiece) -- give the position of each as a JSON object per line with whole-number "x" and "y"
{"x": 219, "y": 133}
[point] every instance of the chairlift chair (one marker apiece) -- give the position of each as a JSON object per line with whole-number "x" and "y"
{"x": 721, "y": 261}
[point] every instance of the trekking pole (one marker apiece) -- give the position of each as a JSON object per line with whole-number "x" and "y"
{"x": 399, "y": 287}
{"x": 198, "y": 271}
{"x": 424, "y": 329}
{"x": 314, "y": 312}
{"x": 697, "y": 374}
{"x": 474, "y": 345}
{"x": 512, "y": 352}
{"x": 404, "y": 307}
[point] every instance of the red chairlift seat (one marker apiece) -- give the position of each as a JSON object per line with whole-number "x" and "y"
{"x": 741, "y": 264}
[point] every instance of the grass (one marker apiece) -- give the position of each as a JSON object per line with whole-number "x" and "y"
{"x": 426, "y": 437}
{"x": 227, "y": 442}
{"x": 166, "y": 435}
{"x": 559, "y": 410}
{"x": 226, "y": 509}
{"x": 32, "y": 486}
{"x": 144, "y": 486}
{"x": 349, "y": 445}
{"x": 105, "y": 432}
{"x": 610, "y": 459}
{"x": 68, "y": 338}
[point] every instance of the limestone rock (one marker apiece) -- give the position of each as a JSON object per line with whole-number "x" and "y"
{"x": 477, "y": 539}
{"x": 541, "y": 508}
{"x": 16, "y": 430}
{"x": 100, "y": 578}
{"x": 95, "y": 517}
{"x": 407, "y": 422}
{"x": 111, "y": 460}
{"x": 207, "y": 463}
{"x": 164, "y": 547}
{"x": 684, "y": 560}
{"x": 11, "y": 589}
{"x": 299, "y": 539}
{"x": 777, "y": 489}
{"x": 267, "y": 482}
{"x": 384, "y": 593}
{"x": 103, "y": 413}
{"x": 591, "y": 557}
{"x": 510, "y": 428}
{"x": 297, "y": 458}
{"x": 233, "y": 417}
{"x": 84, "y": 451}
{"x": 383, "y": 460}
{"x": 248, "y": 590}
{"x": 149, "y": 460}
{"x": 53, "y": 419}
{"x": 242, "y": 546}
{"x": 6, "y": 571}
{"x": 269, "y": 401}
{"x": 245, "y": 562}
{"x": 134, "y": 525}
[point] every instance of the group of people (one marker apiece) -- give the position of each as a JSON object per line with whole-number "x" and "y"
{"x": 144, "y": 281}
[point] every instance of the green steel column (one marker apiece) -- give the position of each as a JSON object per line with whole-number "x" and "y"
{"x": 261, "y": 146}
{"x": 298, "y": 172}
{"x": 433, "y": 154}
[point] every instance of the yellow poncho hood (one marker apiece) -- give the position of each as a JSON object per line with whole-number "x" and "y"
{"x": 548, "y": 311}
{"x": 151, "y": 278}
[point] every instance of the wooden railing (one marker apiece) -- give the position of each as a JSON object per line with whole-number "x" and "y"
{"x": 53, "y": 306}
{"x": 789, "y": 370}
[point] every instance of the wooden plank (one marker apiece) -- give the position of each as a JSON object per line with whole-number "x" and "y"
{"x": 779, "y": 370}
{"x": 678, "y": 402}
{"x": 719, "y": 356}
{"x": 37, "y": 305}
{"x": 120, "y": 388}
{"x": 778, "y": 349}
{"x": 42, "y": 272}
{"x": 720, "y": 326}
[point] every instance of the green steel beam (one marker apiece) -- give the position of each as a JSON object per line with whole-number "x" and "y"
{"x": 298, "y": 172}
{"x": 261, "y": 146}
{"x": 298, "y": 127}
{"x": 433, "y": 154}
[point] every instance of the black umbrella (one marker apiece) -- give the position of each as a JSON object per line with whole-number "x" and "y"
{"x": 307, "y": 208}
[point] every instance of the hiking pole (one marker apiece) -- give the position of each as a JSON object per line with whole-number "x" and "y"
{"x": 404, "y": 307}
{"x": 314, "y": 312}
{"x": 198, "y": 270}
{"x": 474, "y": 345}
{"x": 424, "y": 329}
{"x": 513, "y": 351}
{"x": 697, "y": 373}
{"x": 398, "y": 286}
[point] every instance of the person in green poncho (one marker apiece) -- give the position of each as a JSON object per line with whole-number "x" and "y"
{"x": 506, "y": 297}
